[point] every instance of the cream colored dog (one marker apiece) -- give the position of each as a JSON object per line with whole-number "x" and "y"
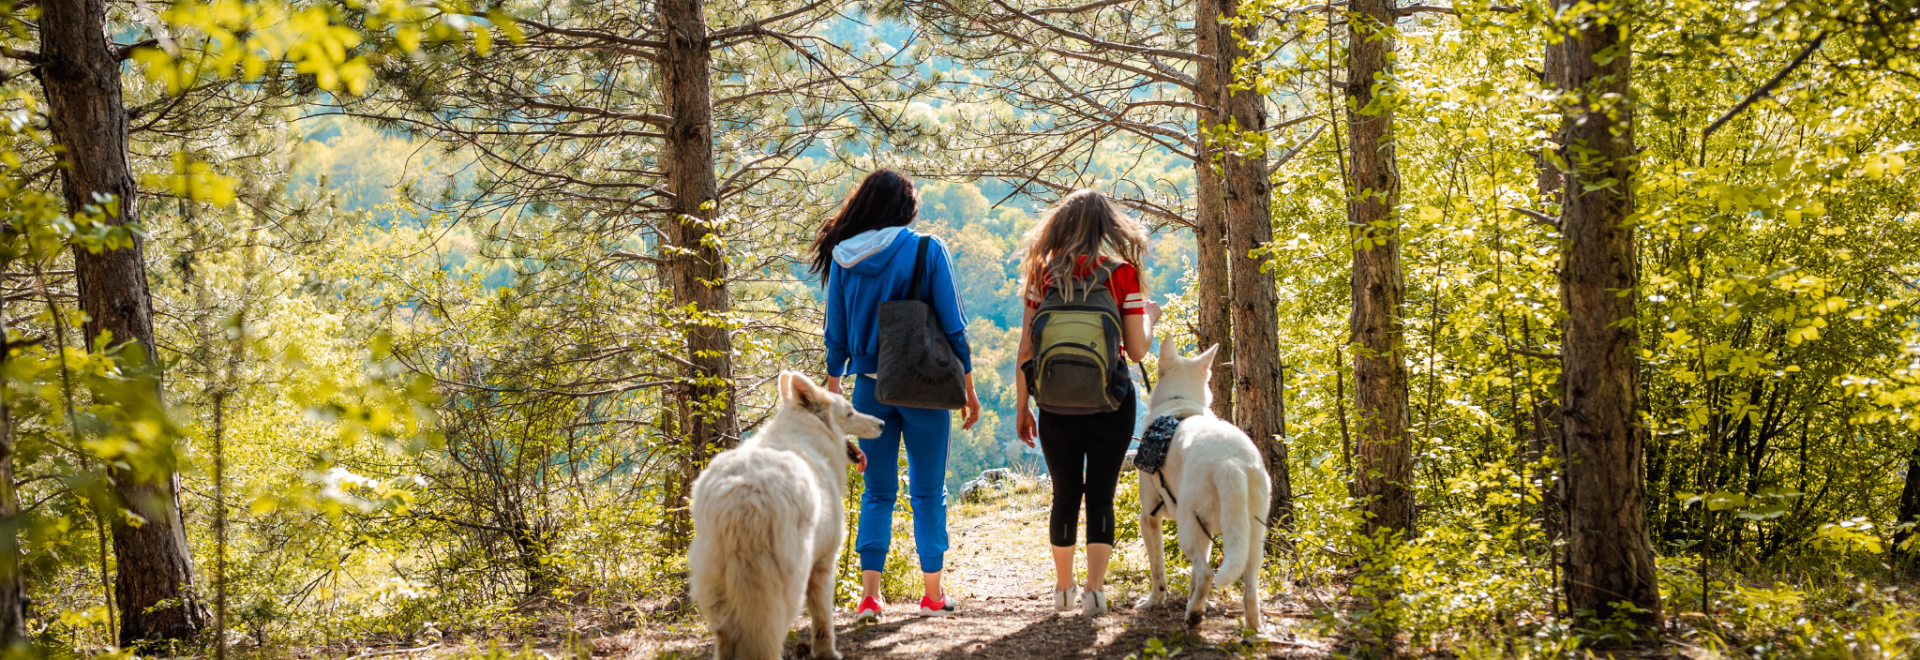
{"x": 1218, "y": 484}
{"x": 768, "y": 521}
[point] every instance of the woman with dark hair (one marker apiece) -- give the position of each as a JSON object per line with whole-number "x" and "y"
{"x": 866, "y": 255}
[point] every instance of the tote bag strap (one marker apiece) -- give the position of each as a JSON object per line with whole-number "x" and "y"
{"x": 918, "y": 286}
{"x": 921, "y": 283}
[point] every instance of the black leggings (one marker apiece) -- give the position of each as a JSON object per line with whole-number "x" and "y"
{"x": 1084, "y": 454}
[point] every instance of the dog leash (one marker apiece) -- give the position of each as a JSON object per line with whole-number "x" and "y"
{"x": 1176, "y": 503}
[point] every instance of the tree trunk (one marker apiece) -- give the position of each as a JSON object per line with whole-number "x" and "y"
{"x": 1610, "y": 571}
{"x": 1385, "y": 472}
{"x": 1214, "y": 306}
{"x": 697, "y": 267}
{"x": 13, "y": 584}
{"x": 1256, "y": 313}
{"x": 89, "y": 122}
{"x": 1546, "y": 438}
{"x": 535, "y": 555}
{"x": 1906, "y": 561}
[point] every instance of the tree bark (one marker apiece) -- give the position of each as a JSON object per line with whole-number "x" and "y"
{"x": 88, "y": 118}
{"x": 1546, "y": 438}
{"x": 1256, "y": 306}
{"x": 1610, "y": 571}
{"x": 13, "y": 584}
{"x": 697, "y": 266}
{"x": 1385, "y": 472}
{"x": 1213, "y": 300}
{"x": 1906, "y": 561}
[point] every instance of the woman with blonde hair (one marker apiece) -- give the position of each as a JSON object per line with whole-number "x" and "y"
{"x": 1087, "y": 313}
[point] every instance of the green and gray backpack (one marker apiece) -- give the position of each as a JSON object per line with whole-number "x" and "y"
{"x": 1076, "y": 368}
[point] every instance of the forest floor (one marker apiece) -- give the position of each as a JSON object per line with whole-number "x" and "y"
{"x": 999, "y": 568}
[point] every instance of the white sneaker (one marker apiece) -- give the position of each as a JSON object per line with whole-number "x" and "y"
{"x": 1093, "y": 603}
{"x": 1063, "y": 598}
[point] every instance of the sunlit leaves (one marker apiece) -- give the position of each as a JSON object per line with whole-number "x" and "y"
{"x": 195, "y": 180}
{"x": 1766, "y": 504}
{"x": 243, "y": 39}
{"x": 1850, "y": 534}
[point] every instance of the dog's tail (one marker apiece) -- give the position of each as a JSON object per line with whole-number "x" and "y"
{"x": 1237, "y": 524}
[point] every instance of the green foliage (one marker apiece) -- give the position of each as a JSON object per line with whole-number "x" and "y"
{"x": 439, "y": 351}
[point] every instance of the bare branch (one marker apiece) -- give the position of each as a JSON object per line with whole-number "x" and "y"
{"x": 1537, "y": 217}
{"x": 755, "y": 26}
{"x": 1766, "y": 88}
{"x": 1102, "y": 43}
{"x": 655, "y": 119}
{"x": 1302, "y": 146}
{"x": 1410, "y": 10}
{"x": 544, "y": 29}
{"x": 1534, "y": 354}
{"x": 1048, "y": 11}
{"x": 124, "y": 52}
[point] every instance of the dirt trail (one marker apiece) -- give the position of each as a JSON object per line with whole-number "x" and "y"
{"x": 1002, "y": 570}
{"x": 998, "y": 566}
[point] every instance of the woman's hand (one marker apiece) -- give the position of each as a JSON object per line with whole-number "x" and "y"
{"x": 1025, "y": 426}
{"x": 1153, "y": 312}
{"x": 969, "y": 412}
{"x": 833, "y": 385}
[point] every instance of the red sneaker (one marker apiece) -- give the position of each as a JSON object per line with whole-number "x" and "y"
{"x": 869, "y": 610}
{"x": 943, "y": 607}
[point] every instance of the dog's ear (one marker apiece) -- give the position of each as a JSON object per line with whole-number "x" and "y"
{"x": 1205, "y": 358}
{"x": 802, "y": 392}
{"x": 1169, "y": 350}
{"x": 786, "y": 385}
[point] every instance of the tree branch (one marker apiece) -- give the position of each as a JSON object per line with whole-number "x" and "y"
{"x": 9, "y": 76}
{"x": 662, "y": 121}
{"x": 754, "y": 26}
{"x": 1102, "y": 43}
{"x": 1534, "y": 354}
{"x": 1302, "y": 146}
{"x": 1537, "y": 216}
{"x": 125, "y": 52}
{"x": 1410, "y": 10}
{"x": 596, "y": 36}
{"x": 1766, "y": 88}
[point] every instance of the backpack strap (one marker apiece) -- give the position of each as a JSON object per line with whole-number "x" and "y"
{"x": 1098, "y": 275}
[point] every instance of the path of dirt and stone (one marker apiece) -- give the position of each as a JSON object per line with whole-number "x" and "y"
{"x": 998, "y": 564}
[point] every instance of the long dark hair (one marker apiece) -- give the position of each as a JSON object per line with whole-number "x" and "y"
{"x": 885, "y": 198}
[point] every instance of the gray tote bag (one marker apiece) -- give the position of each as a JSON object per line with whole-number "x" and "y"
{"x": 917, "y": 366}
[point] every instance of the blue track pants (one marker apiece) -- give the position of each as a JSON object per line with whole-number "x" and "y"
{"x": 924, "y": 433}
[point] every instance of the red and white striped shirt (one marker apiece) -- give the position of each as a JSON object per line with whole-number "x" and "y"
{"x": 1124, "y": 283}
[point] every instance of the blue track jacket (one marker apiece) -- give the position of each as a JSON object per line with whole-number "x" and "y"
{"x": 875, "y": 267}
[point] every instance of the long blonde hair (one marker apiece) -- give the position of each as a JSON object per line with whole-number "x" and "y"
{"x": 1083, "y": 224}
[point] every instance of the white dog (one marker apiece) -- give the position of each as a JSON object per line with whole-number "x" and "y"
{"x": 1212, "y": 481}
{"x": 769, "y": 519}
